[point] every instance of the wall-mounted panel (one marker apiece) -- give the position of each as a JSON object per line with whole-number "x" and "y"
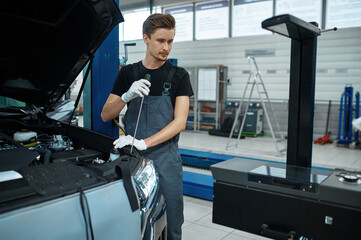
{"x": 184, "y": 22}
{"x": 338, "y": 64}
{"x": 247, "y": 17}
{"x": 212, "y": 20}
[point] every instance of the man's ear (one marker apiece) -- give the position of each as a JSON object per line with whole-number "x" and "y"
{"x": 145, "y": 38}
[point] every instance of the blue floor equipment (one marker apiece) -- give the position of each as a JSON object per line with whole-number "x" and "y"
{"x": 346, "y": 135}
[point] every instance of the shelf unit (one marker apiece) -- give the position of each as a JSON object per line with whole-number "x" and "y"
{"x": 193, "y": 106}
{"x": 210, "y": 93}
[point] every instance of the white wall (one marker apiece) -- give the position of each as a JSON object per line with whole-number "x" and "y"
{"x": 338, "y": 64}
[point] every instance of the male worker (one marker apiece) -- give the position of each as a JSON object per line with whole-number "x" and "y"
{"x": 164, "y": 112}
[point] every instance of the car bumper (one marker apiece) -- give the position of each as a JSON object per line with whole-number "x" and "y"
{"x": 156, "y": 226}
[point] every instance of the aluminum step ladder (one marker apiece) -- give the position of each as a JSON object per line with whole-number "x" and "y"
{"x": 255, "y": 80}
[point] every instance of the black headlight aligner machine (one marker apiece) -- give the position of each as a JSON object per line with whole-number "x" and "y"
{"x": 292, "y": 200}
{"x": 302, "y": 84}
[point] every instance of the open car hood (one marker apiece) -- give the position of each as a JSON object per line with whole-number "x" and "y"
{"x": 44, "y": 45}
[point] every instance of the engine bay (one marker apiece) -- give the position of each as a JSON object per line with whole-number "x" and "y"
{"x": 25, "y": 147}
{"x": 44, "y": 160}
{"x": 34, "y": 140}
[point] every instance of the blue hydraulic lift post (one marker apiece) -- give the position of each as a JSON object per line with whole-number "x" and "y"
{"x": 104, "y": 71}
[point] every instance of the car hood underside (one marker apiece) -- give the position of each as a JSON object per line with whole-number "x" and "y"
{"x": 44, "y": 45}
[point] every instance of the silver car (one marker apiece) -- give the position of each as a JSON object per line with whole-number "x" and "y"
{"x": 58, "y": 180}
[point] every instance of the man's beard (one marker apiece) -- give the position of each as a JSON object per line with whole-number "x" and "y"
{"x": 161, "y": 58}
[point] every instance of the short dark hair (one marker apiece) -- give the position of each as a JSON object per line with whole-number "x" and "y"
{"x": 158, "y": 20}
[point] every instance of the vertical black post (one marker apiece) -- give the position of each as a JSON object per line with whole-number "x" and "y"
{"x": 302, "y": 94}
{"x": 302, "y": 84}
{"x": 294, "y": 105}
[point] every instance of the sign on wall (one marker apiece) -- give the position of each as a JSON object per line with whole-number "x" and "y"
{"x": 247, "y": 17}
{"x": 212, "y": 20}
{"x": 343, "y": 13}
{"x": 207, "y": 84}
{"x": 308, "y": 10}
{"x": 184, "y": 22}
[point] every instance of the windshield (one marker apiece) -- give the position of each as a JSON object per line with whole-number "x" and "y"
{"x": 6, "y": 102}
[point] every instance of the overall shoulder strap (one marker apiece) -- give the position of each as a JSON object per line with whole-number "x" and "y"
{"x": 171, "y": 73}
{"x": 168, "y": 83}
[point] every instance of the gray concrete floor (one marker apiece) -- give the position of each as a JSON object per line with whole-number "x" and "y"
{"x": 198, "y": 212}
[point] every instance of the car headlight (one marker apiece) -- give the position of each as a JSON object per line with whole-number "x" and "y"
{"x": 146, "y": 180}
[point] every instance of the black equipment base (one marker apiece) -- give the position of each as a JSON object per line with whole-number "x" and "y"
{"x": 279, "y": 216}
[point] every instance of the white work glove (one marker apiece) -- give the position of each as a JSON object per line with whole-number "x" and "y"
{"x": 356, "y": 123}
{"x": 138, "y": 88}
{"x": 127, "y": 140}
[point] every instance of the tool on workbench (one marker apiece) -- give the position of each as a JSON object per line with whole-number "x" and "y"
{"x": 147, "y": 77}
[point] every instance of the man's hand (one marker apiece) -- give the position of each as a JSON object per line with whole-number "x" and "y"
{"x": 138, "y": 88}
{"x": 127, "y": 140}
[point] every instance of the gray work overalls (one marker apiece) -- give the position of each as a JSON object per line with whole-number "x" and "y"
{"x": 157, "y": 112}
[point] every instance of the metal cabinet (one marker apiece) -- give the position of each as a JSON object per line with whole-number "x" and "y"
{"x": 210, "y": 93}
{"x": 193, "y": 106}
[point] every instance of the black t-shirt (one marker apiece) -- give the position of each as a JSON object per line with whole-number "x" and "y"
{"x": 181, "y": 85}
